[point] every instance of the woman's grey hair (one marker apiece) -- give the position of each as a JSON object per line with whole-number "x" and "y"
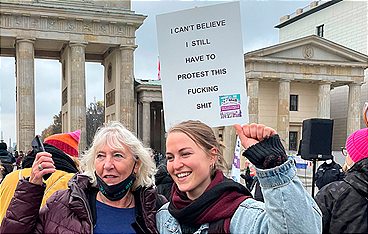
{"x": 116, "y": 136}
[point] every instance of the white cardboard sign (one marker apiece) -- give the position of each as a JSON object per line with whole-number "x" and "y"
{"x": 202, "y": 65}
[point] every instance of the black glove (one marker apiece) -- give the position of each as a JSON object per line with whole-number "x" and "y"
{"x": 267, "y": 154}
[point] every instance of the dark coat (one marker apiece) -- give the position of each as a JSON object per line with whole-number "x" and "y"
{"x": 163, "y": 182}
{"x": 69, "y": 211}
{"x": 7, "y": 161}
{"x": 327, "y": 173}
{"x": 344, "y": 204}
{"x": 258, "y": 195}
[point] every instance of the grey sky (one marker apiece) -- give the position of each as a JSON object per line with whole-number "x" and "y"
{"x": 258, "y": 21}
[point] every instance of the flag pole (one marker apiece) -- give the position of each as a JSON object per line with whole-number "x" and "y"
{"x": 235, "y": 168}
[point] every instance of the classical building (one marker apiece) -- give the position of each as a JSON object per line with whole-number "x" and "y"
{"x": 72, "y": 32}
{"x": 291, "y": 81}
{"x": 345, "y": 23}
{"x": 150, "y": 114}
{"x": 151, "y": 127}
{"x": 287, "y": 82}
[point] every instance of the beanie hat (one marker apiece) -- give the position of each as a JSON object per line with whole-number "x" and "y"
{"x": 61, "y": 160}
{"x": 357, "y": 145}
{"x": 66, "y": 142}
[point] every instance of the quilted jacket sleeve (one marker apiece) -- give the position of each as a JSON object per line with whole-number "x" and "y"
{"x": 22, "y": 215}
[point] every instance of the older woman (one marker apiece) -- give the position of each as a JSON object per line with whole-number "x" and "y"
{"x": 113, "y": 195}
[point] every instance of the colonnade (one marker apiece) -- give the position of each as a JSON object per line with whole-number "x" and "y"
{"x": 73, "y": 108}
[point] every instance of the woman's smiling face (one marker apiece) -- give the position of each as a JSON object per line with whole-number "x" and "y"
{"x": 188, "y": 164}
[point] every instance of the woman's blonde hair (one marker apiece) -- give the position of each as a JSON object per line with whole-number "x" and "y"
{"x": 204, "y": 137}
{"x": 116, "y": 136}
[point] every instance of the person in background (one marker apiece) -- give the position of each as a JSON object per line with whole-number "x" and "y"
{"x": 159, "y": 158}
{"x": 247, "y": 176}
{"x": 344, "y": 204}
{"x": 6, "y": 158}
{"x": 252, "y": 182}
{"x": 64, "y": 150}
{"x": 163, "y": 181}
{"x": 15, "y": 155}
{"x": 114, "y": 194}
{"x": 328, "y": 172}
{"x": 20, "y": 159}
{"x": 205, "y": 201}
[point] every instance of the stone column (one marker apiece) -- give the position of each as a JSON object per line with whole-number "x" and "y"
{"x": 25, "y": 93}
{"x": 283, "y": 112}
{"x": 146, "y": 124}
{"x": 127, "y": 115}
{"x": 324, "y": 100}
{"x": 78, "y": 92}
{"x": 253, "y": 93}
{"x": 354, "y": 115}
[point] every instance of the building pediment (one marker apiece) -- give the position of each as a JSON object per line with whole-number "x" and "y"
{"x": 310, "y": 49}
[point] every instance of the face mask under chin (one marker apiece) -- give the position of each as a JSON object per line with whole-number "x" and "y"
{"x": 117, "y": 191}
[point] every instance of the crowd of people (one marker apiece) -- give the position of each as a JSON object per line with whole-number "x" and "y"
{"x": 7, "y": 160}
{"x": 119, "y": 186}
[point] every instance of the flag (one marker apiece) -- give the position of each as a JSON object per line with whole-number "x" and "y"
{"x": 159, "y": 70}
{"x": 235, "y": 168}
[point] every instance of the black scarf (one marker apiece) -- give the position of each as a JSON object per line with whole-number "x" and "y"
{"x": 215, "y": 206}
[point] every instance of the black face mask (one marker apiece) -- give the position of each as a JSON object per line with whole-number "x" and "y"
{"x": 117, "y": 191}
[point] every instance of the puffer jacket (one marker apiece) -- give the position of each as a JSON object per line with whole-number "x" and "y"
{"x": 57, "y": 181}
{"x": 344, "y": 204}
{"x": 69, "y": 211}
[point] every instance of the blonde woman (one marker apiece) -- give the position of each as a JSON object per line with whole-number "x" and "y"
{"x": 205, "y": 201}
{"x": 115, "y": 193}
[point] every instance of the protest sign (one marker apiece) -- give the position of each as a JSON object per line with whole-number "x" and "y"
{"x": 202, "y": 65}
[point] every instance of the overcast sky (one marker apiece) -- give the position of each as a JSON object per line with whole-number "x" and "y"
{"x": 258, "y": 21}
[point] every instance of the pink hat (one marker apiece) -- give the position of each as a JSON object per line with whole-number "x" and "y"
{"x": 357, "y": 145}
{"x": 67, "y": 142}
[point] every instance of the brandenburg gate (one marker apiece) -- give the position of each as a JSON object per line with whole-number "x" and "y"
{"x": 74, "y": 32}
